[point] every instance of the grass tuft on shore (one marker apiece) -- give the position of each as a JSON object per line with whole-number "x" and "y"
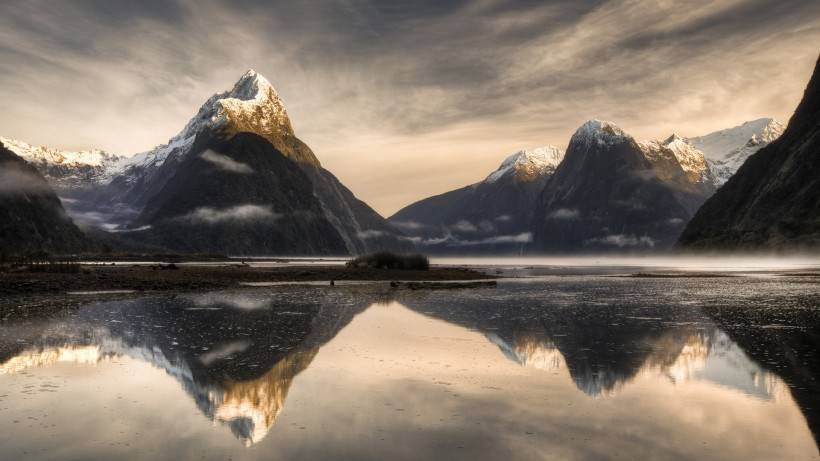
{"x": 385, "y": 260}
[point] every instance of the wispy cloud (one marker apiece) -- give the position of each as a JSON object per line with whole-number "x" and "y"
{"x": 623, "y": 241}
{"x": 564, "y": 213}
{"x": 226, "y": 163}
{"x": 237, "y": 213}
{"x": 14, "y": 180}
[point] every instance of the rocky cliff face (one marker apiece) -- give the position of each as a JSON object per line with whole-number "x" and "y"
{"x": 772, "y": 201}
{"x": 31, "y": 216}
{"x": 492, "y": 216}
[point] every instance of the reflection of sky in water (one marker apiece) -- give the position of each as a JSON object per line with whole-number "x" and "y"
{"x": 305, "y": 373}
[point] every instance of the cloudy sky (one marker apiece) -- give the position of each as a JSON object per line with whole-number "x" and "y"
{"x": 403, "y": 99}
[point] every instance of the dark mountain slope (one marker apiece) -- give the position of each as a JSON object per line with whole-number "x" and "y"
{"x": 611, "y": 193}
{"x": 31, "y": 216}
{"x": 773, "y": 201}
{"x": 489, "y": 217}
{"x": 240, "y": 196}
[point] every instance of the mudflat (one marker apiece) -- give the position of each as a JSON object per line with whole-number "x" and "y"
{"x": 183, "y": 277}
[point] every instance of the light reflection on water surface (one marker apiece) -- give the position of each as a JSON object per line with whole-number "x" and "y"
{"x": 576, "y": 368}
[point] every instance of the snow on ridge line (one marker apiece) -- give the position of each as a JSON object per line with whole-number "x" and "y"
{"x": 599, "y": 131}
{"x": 532, "y": 162}
{"x": 31, "y": 153}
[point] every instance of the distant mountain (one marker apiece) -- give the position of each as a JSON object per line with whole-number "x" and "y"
{"x": 31, "y": 216}
{"x": 773, "y": 201}
{"x": 614, "y": 193}
{"x": 492, "y": 216}
{"x": 726, "y": 150}
{"x": 67, "y": 169}
{"x": 131, "y": 194}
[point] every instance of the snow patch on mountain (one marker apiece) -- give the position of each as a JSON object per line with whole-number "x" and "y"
{"x": 726, "y": 150}
{"x": 65, "y": 166}
{"x": 528, "y": 164}
{"x": 598, "y": 132}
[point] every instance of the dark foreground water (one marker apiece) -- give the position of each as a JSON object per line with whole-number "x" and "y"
{"x": 577, "y": 367}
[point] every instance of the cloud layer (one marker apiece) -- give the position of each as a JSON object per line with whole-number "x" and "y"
{"x": 432, "y": 94}
{"x": 239, "y": 213}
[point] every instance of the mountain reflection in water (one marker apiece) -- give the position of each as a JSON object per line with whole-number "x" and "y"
{"x": 237, "y": 354}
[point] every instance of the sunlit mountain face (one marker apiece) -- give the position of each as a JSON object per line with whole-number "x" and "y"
{"x": 271, "y": 367}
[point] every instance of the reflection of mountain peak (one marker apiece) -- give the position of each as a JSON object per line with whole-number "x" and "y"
{"x": 236, "y": 358}
{"x": 251, "y": 407}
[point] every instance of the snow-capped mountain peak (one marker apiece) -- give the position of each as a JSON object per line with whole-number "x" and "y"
{"x": 528, "y": 164}
{"x": 37, "y": 154}
{"x": 252, "y": 105}
{"x": 691, "y": 160}
{"x": 726, "y": 150}
{"x": 598, "y": 131}
{"x": 65, "y": 167}
{"x": 722, "y": 144}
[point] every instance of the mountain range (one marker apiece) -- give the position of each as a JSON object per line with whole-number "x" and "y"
{"x": 607, "y": 192}
{"x": 237, "y": 180}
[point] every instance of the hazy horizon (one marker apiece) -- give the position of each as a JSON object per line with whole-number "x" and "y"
{"x": 431, "y": 95}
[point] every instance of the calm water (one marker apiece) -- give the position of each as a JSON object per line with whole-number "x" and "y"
{"x": 563, "y": 367}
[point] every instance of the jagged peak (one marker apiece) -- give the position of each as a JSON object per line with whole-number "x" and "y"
{"x": 251, "y": 86}
{"x": 600, "y": 131}
{"x": 723, "y": 144}
{"x": 529, "y": 164}
{"x": 55, "y": 156}
{"x": 673, "y": 139}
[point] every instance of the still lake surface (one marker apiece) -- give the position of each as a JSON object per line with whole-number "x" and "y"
{"x": 568, "y": 366}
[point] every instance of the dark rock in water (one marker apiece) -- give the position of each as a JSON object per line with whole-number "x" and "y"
{"x": 490, "y": 217}
{"x": 773, "y": 201}
{"x": 613, "y": 193}
{"x": 32, "y": 218}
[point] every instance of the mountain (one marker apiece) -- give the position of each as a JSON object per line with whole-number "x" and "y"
{"x": 240, "y": 196}
{"x": 31, "y": 216}
{"x": 772, "y": 201}
{"x": 252, "y": 106}
{"x": 726, "y": 150}
{"x": 492, "y": 216}
{"x": 134, "y": 195}
{"x": 234, "y": 355}
{"x": 614, "y": 193}
{"x": 67, "y": 169}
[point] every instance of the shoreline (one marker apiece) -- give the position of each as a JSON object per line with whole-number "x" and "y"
{"x": 142, "y": 278}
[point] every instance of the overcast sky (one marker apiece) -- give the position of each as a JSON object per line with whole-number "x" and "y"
{"x": 403, "y": 99}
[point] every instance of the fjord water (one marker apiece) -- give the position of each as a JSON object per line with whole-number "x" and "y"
{"x": 553, "y": 367}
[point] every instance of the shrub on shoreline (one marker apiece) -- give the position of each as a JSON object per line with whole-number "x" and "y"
{"x": 385, "y": 260}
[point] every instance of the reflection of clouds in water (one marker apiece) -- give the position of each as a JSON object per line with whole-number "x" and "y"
{"x": 223, "y": 351}
{"x": 235, "y": 300}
